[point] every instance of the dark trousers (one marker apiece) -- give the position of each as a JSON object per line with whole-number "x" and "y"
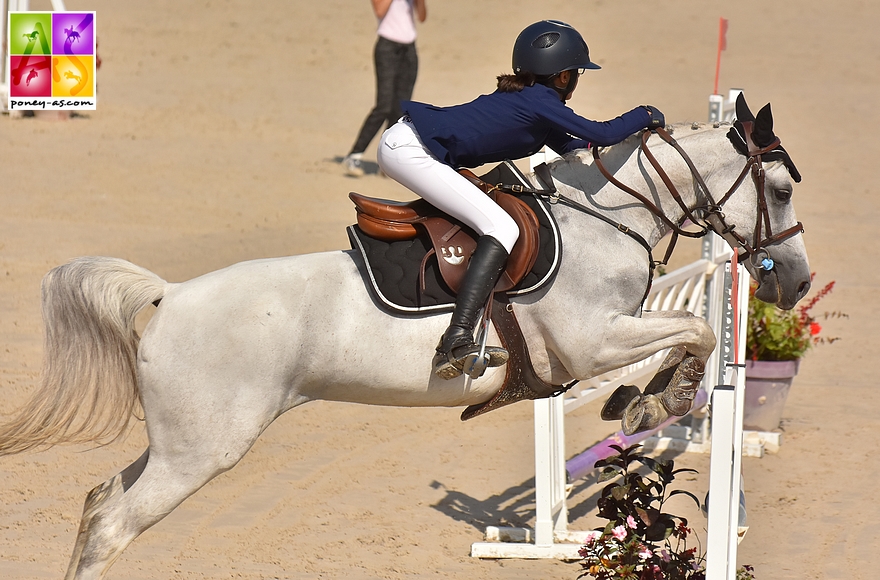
{"x": 396, "y": 68}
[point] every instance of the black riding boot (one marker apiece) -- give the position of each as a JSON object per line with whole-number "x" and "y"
{"x": 457, "y": 344}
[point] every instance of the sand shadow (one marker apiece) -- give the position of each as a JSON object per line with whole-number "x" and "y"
{"x": 515, "y": 506}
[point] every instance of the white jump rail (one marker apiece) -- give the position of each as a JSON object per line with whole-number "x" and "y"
{"x": 726, "y": 501}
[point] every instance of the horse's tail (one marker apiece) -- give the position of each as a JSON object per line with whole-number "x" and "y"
{"x": 89, "y": 388}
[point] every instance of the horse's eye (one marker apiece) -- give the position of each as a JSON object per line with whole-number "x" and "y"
{"x": 782, "y": 194}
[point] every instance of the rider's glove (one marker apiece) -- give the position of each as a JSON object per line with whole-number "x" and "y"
{"x": 657, "y": 118}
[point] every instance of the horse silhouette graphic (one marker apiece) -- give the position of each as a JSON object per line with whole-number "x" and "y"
{"x": 69, "y": 75}
{"x": 32, "y": 36}
{"x": 71, "y": 34}
{"x": 31, "y": 75}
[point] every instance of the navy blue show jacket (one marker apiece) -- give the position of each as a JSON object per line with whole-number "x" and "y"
{"x": 500, "y": 126}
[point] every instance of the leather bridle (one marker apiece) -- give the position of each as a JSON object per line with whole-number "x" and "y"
{"x": 710, "y": 216}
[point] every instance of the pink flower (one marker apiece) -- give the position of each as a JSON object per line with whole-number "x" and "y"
{"x": 619, "y": 533}
{"x": 592, "y": 537}
{"x": 630, "y": 522}
{"x": 645, "y": 553}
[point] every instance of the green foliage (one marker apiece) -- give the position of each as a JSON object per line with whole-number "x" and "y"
{"x": 641, "y": 541}
{"x": 778, "y": 335}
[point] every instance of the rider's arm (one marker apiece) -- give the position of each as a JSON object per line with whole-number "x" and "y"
{"x": 571, "y": 131}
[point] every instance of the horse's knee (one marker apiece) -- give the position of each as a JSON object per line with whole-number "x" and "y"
{"x": 705, "y": 343}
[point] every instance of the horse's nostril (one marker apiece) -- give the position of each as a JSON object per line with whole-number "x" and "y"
{"x": 803, "y": 289}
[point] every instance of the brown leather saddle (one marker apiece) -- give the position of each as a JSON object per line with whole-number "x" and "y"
{"x": 453, "y": 244}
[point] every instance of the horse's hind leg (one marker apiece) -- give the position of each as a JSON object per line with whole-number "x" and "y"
{"x": 95, "y": 511}
{"x": 120, "y": 509}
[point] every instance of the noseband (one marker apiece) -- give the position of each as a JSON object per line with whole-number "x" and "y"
{"x": 711, "y": 216}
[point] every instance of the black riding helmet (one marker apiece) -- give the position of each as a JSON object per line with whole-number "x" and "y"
{"x": 549, "y": 47}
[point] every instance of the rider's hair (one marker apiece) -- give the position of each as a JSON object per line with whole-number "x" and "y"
{"x": 508, "y": 83}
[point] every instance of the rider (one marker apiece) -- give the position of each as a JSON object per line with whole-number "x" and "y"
{"x": 423, "y": 150}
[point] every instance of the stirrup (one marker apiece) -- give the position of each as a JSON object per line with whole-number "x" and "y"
{"x": 449, "y": 366}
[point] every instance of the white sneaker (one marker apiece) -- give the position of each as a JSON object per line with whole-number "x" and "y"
{"x": 353, "y": 166}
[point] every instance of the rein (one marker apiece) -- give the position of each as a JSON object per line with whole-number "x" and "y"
{"x": 712, "y": 211}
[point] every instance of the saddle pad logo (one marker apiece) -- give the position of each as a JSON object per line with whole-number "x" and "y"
{"x": 453, "y": 254}
{"x": 51, "y": 61}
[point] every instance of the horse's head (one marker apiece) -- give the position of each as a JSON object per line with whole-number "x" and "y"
{"x": 757, "y": 215}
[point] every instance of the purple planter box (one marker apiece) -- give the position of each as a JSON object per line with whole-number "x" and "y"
{"x": 767, "y": 387}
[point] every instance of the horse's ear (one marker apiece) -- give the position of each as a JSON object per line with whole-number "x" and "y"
{"x": 764, "y": 120}
{"x": 742, "y": 109}
{"x": 763, "y": 131}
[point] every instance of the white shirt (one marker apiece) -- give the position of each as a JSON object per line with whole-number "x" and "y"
{"x": 398, "y": 25}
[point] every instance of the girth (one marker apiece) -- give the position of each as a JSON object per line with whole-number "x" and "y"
{"x": 521, "y": 382}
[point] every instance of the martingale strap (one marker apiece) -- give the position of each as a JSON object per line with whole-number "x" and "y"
{"x": 542, "y": 171}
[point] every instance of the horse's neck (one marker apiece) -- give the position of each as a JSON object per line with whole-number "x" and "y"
{"x": 577, "y": 177}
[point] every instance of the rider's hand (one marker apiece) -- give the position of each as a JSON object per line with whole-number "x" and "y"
{"x": 657, "y": 118}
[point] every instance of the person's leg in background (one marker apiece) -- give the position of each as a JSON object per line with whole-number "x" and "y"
{"x": 385, "y": 62}
{"x": 406, "y": 71}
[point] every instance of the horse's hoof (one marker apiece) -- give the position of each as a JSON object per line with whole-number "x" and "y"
{"x": 618, "y": 401}
{"x": 678, "y": 396}
{"x": 643, "y": 414}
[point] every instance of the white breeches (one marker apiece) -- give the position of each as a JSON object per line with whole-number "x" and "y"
{"x": 404, "y": 158}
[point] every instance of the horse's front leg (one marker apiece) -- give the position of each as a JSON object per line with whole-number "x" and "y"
{"x": 672, "y": 389}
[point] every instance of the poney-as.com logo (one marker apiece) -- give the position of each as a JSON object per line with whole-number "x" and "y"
{"x": 51, "y": 60}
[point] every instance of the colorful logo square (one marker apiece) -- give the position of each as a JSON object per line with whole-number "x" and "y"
{"x": 30, "y": 76}
{"x": 51, "y": 60}
{"x": 72, "y": 76}
{"x": 30, "y": 33}
{"x": 73, "y": 33}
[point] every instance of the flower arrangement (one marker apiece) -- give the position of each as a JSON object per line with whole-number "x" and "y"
{"x": 781, "y": 335}
{"x": 640, "y": 541}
